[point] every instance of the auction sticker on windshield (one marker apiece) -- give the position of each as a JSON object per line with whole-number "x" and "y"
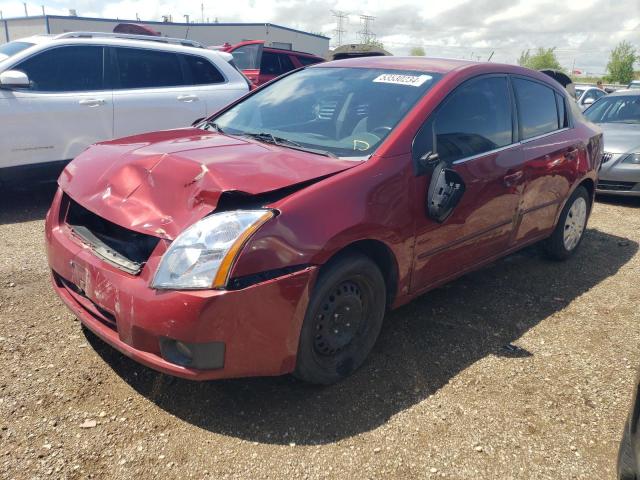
{"x": 398, "y": 79}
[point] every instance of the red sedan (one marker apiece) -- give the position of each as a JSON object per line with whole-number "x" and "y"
{"x": 272, "y": 237}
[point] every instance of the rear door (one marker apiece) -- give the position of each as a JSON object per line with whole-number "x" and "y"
{"x": 66, "y": 108}
{"x": 151, "y": 92}
{"x": 550, "y": 152}
{"x": 468, "y": 199}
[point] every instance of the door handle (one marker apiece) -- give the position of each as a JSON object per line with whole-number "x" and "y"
{"x": 513, "y": 178}
{"x": 187, "y": 98}
{"x": 92, "y": 102}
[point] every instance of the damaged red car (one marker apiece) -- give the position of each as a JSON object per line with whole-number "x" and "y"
{"x": 272, "y": 237}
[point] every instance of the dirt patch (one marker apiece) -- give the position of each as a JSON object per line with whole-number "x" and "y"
{"x": 521, "y": 370}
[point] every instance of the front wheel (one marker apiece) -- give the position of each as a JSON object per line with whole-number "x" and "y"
{"x": 343, "y": 320}
{"x": 566, "y": 237}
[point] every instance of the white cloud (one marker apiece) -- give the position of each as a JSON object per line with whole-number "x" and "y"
{"x": 584, "y": 31}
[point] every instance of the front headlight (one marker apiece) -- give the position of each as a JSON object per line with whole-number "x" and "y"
{"x": 632, "y": 158}
{"x": 202, "y": 255}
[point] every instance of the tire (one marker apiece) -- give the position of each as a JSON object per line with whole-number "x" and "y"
{"x": 343, "y": 319}
{"x": 626, "y": 461}
{"x": 568, "y": 234}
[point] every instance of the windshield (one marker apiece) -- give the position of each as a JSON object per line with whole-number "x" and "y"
{"x": 344, "y": 112}
{"x": 12, "y": 48}
{"x": 615, "y": 109}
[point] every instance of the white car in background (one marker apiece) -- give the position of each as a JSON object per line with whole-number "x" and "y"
{"x": 61, "y": 93}
{"x": 587, "y": 94}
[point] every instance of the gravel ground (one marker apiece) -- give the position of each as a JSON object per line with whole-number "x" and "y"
{"x": 439, "y": 397}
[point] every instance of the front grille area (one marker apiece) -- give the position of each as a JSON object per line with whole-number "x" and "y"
{"x": 123, "y": 248}
{"x": 95, "y": 310}
{"x": 616, "y": 186}
{"x": 606, "y": 156}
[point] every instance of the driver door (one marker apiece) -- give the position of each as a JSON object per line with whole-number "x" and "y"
{"x": 470, "y": 181}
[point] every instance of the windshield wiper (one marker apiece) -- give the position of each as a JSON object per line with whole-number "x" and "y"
{"x": 213, "y": 125}
{"x": 285, "y": 142}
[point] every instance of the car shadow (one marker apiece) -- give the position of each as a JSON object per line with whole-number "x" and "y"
{"x": 17, "y": 206}
{"x": 618, "y": 200}
{"x": 423, "y": 345}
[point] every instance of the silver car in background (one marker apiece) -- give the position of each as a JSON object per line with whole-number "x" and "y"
{"x": 618, "y": 114}
{"x": 586, "y": 95}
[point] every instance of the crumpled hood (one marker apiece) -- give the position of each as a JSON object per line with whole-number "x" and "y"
{"x": 160, "y": 183}
{"x": 621, "y": 137}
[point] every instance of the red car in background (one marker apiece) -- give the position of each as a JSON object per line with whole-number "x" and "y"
{"x": 261, "y": 64}
{"x": 272, "y": 237}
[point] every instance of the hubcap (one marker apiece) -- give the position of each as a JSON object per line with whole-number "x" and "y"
{"x": 339, "y": 319}
{"x": 574, "y": 223}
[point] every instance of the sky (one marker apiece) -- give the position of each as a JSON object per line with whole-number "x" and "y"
{"x": 583, "y": 31}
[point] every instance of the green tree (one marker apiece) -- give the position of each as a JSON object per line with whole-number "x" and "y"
{"x": 374, "y": 43}
{"x": 541, "y": 58}
{"x": 621, "y": 60}
{"x": 417, "y": 52}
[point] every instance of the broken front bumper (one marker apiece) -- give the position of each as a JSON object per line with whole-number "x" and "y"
{"x": 258, "y": 326}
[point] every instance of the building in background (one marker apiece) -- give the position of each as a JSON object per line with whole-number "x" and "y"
{"x": 206, "y": 33}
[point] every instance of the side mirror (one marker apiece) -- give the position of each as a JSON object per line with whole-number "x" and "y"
{"x": 14, "y": 78}
{"x": 445, "y": 191}
{"x": 588, "y": 101}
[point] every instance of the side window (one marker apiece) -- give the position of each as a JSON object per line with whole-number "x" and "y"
{"x": 563, "y": 119}
{"x": 140, "y": 68}
{"x": 599, "y": 94}
{"x": 537, "y": 110}
{"x": 65, "y": 69}
{"x": 202, "y": 71}
{"x": 270, "y": 64}
{"x": 308, "y": 60}
{"x": 247, "y": 57}
{"x": 474, "y": 119}
{"x": 286, "y": 65}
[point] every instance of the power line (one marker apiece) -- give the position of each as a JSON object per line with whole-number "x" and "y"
{"x": 366, "y": 34}
{"x": 339, "y": 30}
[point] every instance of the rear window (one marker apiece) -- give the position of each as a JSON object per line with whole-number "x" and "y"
{"x": 309, "y": 60}
{"x": 537, "y": 109}
{"x": 140, "y": 68}
{"x": 12, "y": 48}
{"x": 202, "y": 71}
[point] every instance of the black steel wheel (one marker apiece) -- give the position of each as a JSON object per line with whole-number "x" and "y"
{"x": 343, "y": 319}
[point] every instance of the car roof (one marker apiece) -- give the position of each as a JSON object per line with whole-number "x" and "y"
{"x": 443, "y": 66}
{"x": 420, "y": 64}
{"x": 625, "y": 92}
{"x": 121, "y": 41}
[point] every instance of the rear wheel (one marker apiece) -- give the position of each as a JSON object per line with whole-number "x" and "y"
{"x": 566, "y": 237}
{"x": 626, "y": 462}
{"x": 343, "y": 319}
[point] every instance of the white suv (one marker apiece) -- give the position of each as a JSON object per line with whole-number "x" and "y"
{"x": 59, "y": 94}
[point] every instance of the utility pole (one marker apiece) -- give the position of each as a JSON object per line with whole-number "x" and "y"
{"x": 339, "y": 30}
{"x": 366, "y": 35}
{"x": 43, "y": 14}
{"x": 186, "y": 18}
{"x": 202, "y": 12}
{"x": 26, "y": 14}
